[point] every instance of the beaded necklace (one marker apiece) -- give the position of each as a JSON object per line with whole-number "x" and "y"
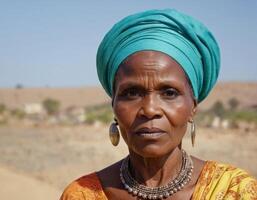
{"x": 161, "y": 192}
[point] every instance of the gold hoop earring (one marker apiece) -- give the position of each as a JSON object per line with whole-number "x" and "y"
{"x": 114, "y": 133}
{"x": 193, "y": 133}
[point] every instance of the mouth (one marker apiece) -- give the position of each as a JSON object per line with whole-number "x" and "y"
{"x": 149, "y": 132}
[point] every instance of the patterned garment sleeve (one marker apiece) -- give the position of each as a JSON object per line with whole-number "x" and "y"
{"x": 242, "y": 187}
{"x": 224, "y": 182}
{"x": 73, "y": 192}
{"x": 85, "y": 188}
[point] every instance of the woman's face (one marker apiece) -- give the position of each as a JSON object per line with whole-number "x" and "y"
{"x": 152, "y": 103}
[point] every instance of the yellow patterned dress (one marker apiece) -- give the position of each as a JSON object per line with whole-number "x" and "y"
{"x": 217, "y": 181}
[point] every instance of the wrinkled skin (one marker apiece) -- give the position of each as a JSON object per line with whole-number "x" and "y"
{"x": 151, "y": 90}
{"x": 153, "y": 103}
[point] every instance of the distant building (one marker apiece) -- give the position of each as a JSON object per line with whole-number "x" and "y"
{"x": 216, "y": 122}
{"x": 76, "y": 114}
{"x": 33, "y": 108}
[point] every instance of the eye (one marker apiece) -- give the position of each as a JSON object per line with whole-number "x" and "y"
{"x": 131, "y": 93}
{"x": 170, "y": 93}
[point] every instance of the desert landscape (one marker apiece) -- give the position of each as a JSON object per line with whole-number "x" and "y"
{"x": 246, "y": 92}
{"x": 39, "y": 159}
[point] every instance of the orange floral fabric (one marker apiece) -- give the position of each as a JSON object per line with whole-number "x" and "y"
{"x": 224, "y": 182}
{"x": 85, "y": 188}
{"x": 216, "y": 182}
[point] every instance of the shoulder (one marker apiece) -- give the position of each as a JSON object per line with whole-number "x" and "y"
{"x": 225, "y": 180}
{"x": 86, "y": 187}
{"x": 112, "y": 171}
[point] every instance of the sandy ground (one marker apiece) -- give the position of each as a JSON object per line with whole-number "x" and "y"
{"x": 16, "y": 186}
{"x": 38, "y": 162}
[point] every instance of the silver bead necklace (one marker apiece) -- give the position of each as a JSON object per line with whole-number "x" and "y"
{"x": 144, "y": 192}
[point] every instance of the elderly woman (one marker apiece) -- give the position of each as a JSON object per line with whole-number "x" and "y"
{"x": 157, "y": 66}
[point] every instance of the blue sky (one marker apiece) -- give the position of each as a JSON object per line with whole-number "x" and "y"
{"x": 54, "y": 42}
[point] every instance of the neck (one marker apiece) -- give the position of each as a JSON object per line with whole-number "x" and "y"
{"x": 154, "y": 172}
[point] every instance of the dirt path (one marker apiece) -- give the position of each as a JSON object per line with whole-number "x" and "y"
{"x": 15, "y": 186}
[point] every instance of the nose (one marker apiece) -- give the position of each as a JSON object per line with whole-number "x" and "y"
{"x": 150, "y": 107}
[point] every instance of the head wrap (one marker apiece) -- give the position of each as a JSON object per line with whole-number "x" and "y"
{"x": 181, "y": 37}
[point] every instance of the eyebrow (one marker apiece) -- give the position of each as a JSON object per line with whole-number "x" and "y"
{"x": 130, "y": 85}
{"x": 162, "y": 85}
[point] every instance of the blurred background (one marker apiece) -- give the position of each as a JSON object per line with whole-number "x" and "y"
{"x": 54, "y": 116}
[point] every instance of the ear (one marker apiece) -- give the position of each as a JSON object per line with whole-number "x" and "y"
{"x": 194, "y": 110}
{"x": 112, "y": 101}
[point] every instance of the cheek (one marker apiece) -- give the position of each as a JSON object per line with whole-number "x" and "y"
{"x": 125, "y": 114}
{"x": 178, "y": 113}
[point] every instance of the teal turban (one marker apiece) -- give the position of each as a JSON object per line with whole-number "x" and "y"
{"x": 181, "y": 37}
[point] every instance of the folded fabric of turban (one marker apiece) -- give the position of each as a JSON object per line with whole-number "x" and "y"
{"x": 180, "y": 36}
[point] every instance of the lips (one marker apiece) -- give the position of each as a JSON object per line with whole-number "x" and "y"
{"x": 149, "y": 132}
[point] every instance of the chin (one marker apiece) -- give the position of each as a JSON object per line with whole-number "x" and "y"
{"x": 152, "y": 151}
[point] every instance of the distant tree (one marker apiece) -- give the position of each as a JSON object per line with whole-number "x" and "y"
{"x": 218, "y": 109}
{"x": 102, "y": 113}
{"x": 19, "y": 86}
{"x": 18, "y": 113}
{"x": 2, "y": 108}
{"x": 233, "y": 104}
{"x": 51, "y": 106}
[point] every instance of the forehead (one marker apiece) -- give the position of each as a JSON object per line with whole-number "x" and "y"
{"x": 150, "y": 64}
